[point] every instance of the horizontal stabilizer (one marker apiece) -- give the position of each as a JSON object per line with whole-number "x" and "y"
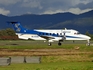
{"x": 12, "y": 22}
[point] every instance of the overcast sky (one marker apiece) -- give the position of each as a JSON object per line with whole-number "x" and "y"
{"x": 19, "y": 7}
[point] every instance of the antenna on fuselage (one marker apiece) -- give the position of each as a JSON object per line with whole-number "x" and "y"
{"x": 65, "y": 28}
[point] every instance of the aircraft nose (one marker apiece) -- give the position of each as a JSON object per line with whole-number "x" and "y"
{"x": 88, "y": 37}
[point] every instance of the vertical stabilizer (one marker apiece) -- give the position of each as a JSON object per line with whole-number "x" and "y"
{"x": 17, "y": 27}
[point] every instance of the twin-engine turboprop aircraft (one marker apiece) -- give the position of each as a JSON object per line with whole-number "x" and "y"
{"x": 49, "y": 35}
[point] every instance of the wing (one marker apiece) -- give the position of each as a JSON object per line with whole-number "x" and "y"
{"x": 47, "y": 37}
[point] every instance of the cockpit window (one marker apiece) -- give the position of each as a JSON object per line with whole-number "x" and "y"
{"x": 76, "y": 33}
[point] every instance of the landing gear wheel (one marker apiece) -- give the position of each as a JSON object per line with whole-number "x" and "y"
{"x": 88, "y": 44}
{"x": 49, "y": 44}
{"x": 59, "y": 44}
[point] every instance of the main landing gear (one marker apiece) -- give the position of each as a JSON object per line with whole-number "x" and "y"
{"x": 59, "y": 43}
{"x": 49, "y": 44}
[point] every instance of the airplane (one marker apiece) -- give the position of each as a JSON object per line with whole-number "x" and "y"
{"x": 49, "y": 35}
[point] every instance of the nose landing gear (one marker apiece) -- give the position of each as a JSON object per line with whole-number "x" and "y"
{"x": 88, "y": 43}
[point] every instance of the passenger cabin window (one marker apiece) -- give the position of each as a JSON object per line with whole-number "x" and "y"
{"x": 57, "y": 34}
{"x": 46, "y": 33}
{"x": 60, "y": 34}
{"x": 42, "y": 33}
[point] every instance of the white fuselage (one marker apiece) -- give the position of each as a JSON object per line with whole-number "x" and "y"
{"x": 70, "y": 35}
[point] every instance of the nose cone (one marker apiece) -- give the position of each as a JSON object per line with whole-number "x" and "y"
{"x": 87, "y": 37}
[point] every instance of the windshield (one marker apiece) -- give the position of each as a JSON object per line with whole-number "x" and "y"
{"x": 76, "y": 33}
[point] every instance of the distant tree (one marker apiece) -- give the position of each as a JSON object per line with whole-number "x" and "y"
{"x": 3, "y": 32}
{"x": 87, "y": 33}
{"x": 91, "y": 36}
{"x": 8, "y": 34}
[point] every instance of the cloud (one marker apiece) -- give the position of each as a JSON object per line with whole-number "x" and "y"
{"x": 19, "y": 7}
{"x": 4, "y": 12}
{"x": 85, "y": 6}
{"x": 53, "y": 12}
{"x": 72, "y": 10}
{"x": 78, "y": 11}
{"x": 73, "y": 6}
{"x": 31, "y": 4}
{"x": 8, "y": 2}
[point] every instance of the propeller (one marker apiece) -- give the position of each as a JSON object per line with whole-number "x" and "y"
{"x": 64, "y": 36}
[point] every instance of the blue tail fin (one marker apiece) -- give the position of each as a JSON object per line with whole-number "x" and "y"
{"x": 17, "y": 27}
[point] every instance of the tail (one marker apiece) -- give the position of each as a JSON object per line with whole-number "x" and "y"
{"x": 17, "y": 27}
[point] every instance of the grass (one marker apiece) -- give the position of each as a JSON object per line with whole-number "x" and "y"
{"x": 20, "y": 44}
{"x": 62, "y": 62}
{"x": 51, "y": 66}
{"x": 69, "y": 46}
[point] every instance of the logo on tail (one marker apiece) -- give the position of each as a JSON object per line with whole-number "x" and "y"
{"x": 17, "y": 27}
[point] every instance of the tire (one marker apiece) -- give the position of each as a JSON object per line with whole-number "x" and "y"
{"x": 59, "y": 44}
{"x": 49, "y": 44}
